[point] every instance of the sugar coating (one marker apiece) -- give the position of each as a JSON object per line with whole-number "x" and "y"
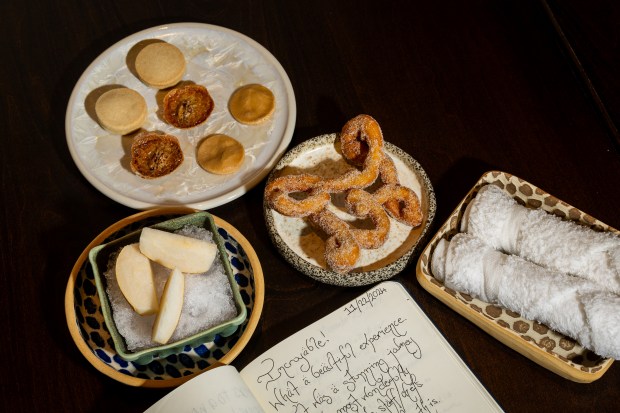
{"x": 208, "y": 300}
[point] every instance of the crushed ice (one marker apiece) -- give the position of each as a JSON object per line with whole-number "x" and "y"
{"x": 208, "y": 300}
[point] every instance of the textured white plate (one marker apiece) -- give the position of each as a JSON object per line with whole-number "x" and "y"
{"x": 221, "y": 60}
{"x": 304, "y": 248}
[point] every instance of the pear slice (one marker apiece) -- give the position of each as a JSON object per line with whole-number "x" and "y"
{"x": 135, "y": 279}
{"x": 170, "y": 308}
{"x": 171, "y": 250}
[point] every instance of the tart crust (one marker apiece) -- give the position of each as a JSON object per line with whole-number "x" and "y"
{"x": 251, "y": 104}
{"x": 220, "y": 154}
{"x": 154, "y": 155}
{"x": 187, "y": 106}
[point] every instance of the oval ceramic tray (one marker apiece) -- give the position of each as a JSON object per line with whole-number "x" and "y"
{"x": 303, "y": 248}
{"x": 221, "y": 60}
{"x": 90, "y": 334}
{"x": 554, "y": 351}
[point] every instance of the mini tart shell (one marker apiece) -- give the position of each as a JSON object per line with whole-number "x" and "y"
{"x": 251, "y": 104}
{"x": 220, "y": 154}
{"x": 187, "y": 106}
{"x": 154, "y": 155}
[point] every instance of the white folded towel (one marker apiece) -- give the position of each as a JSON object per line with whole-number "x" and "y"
{"x": 543, "y": 238}
{"x": 573, "y": 306}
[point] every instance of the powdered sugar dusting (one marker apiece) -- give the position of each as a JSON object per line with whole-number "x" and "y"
{"x": 325, "y": 161}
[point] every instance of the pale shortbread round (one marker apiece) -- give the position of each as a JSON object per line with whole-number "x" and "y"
{"x": 220, "y": 154}
{"x": 160, "y": 65}
{"x": 251, "y": 104}
{"x": 121, "y": 110}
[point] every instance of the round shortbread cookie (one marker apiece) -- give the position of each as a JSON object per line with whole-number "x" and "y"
{"x": 121, "y": 110}
{"x": 220, "y": 154}
{"x": 251, "y": 104}
{"x": 160, "y": 65}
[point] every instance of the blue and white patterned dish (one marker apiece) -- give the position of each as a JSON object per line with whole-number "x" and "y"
{"x": 91, "y": 335}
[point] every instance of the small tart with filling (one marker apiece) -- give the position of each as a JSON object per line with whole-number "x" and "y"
{"x": 220, "y": 154}
{"x": 121, "y": 110}
{"x": 187, "y": 106}
{"x": 160, "y": 65}
{"x": 252, "y": 104}
{"x": 154, "y": 155}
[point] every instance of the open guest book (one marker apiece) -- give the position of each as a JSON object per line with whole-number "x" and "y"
{"x": 378, "y": 353}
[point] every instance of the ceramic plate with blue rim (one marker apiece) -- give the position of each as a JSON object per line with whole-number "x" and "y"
{"x": 91, "y": 335}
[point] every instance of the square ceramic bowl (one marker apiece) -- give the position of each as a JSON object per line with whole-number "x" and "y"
{"x": 556, "y": 352}
{"x": 99, "y": 258}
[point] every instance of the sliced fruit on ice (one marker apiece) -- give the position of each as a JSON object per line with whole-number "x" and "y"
{"x": 135, "y": 279}
{"x": 170, "y": 307}
{"x": 171, "y": 250}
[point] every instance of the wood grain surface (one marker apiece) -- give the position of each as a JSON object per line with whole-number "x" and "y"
{"x": 463, "y": 87}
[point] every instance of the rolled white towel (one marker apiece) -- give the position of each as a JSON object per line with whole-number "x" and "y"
{"x": 573, "y": 306}
{"x": 543, "y": 238}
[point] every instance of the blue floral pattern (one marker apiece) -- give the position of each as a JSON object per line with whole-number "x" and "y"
{"x": 95, "y": 334}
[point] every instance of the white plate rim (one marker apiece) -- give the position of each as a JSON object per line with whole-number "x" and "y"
{"x": 208, "y": 202}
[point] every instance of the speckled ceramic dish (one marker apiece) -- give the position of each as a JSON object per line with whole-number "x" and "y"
{"x": 100, "y": 257}
{"x": 554, "y": 351}
{"x": 91, "y": 334}
{"x": 304, "y": 248}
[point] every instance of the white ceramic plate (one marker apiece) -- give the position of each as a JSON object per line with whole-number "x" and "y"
{"x": 304, "y": 248}
{"x": 221, "y": 60}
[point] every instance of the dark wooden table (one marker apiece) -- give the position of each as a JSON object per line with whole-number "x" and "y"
{"x": 527, "y": 87}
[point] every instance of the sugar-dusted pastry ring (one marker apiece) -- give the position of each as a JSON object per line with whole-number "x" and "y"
{"x": 361, "y": 142}
{"x": 358, "y": 136}
{"x": 341, "y": 249}
{"x": 389, "y": 175}
{"x": 363, "y": 205}
{"x": 401, "y": 203}
{"x": 277, "y": 194}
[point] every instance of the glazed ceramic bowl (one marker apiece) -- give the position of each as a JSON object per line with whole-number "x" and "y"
{"x": 102, "y": 255}
{"x": 84, "y": 315}
{"x": 304, "y": 247}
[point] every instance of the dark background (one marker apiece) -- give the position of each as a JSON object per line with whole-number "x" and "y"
{"x": 527, "y": 87}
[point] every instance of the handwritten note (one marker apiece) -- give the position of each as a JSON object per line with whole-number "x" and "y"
{"x": 379, "y": 353}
